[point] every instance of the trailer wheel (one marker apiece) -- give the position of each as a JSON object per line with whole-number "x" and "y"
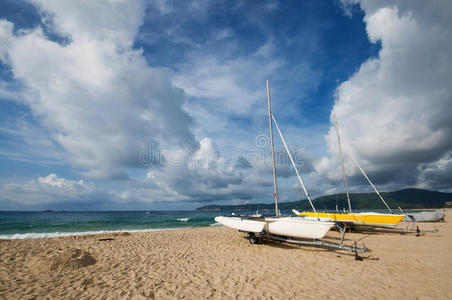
{"x": 339, "y": 226}
{"x": 253, "y": 239}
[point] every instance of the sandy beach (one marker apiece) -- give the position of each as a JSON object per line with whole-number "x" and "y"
{"x": 220, "y": 263}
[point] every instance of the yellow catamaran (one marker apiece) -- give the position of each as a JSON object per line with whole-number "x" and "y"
{"x": 356, "y": 219}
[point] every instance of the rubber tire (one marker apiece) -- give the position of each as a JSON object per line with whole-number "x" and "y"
{"x": 253, "y": 239}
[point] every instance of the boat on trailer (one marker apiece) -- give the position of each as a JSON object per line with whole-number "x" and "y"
{"x": 426, "y": 216}
{"x": 356, "y": 219}
{"x": 298, "y": 230}
{"x": 367, "y": 219}
{"x": 296, "y": 227}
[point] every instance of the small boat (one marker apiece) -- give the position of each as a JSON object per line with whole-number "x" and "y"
{"x": 426, "y": 216}
{"x": 296, "y": 227}
{"x": 357, "y": 219}
{"x": 371, "y": 219}
{"x": 293, "y": 227}
{"x": 242, "y": 224}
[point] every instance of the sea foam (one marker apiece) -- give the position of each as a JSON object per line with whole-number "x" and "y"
{"x": 33, "y": 235}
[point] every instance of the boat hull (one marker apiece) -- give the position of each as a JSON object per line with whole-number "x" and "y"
{"x": 426, "y": 217}
{"x": 241, "y": 224}
{"x": 360, "y": 219}
{"x": 294, "y": 227}
{"x": 299, "y": 227}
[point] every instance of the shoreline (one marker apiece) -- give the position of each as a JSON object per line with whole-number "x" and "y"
{"x": 49, "y": 235}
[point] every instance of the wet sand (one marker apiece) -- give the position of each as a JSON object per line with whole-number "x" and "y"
{"x": 219, "y": 263}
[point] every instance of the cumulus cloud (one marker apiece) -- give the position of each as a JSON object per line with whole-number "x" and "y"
{"x": 394, "y": 112}
{"x": 49, "y": 189}
{"x": 437, "y": 173}
{"x": 97, "y": 95}
{"x": 209, "y": 174}
{"x": 100, "y": 101}
{"x": 53, "y": 191}
{"x": 200, "y": 176}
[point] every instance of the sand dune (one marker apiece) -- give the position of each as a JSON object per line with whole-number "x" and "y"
{"x": 219, "y": 263}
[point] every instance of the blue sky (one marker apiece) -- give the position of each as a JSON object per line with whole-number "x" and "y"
{"x": 160, "y": 104}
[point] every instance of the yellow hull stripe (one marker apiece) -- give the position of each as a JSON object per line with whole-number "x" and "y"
{"x": 358, "y": 218}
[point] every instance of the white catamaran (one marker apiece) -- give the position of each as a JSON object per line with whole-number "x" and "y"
{"x": 278, "y": 226}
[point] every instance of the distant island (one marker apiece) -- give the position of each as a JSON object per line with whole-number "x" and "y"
{"x": 407, "y": 198}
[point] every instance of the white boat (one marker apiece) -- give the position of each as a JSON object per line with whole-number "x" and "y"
{"x": 242, "y": 224}
{"x": 426, "y": 216}
{"x": 296, "y": 227}
{"x": 293, "y": 227}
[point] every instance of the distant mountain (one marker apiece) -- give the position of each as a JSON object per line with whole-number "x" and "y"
{"x": 407, "y": 198}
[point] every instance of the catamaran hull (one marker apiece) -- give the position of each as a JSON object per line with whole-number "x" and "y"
{"x": 299, "y": 228}
{"x": 358, "y": 219}
{"x": 425, "y": 217}
{"x": 241, "y": 224}
{"x": 287, "y": 226}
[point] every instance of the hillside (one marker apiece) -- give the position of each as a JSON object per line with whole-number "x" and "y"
{"x": 407, "y": 198}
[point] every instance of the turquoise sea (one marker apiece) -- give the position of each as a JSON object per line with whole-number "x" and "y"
{"x": 21, "y": 225}
{"x": 17, "y": 225}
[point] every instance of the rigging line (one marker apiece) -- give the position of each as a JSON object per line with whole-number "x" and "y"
{"x": 342, "y": 164}
{"x": 397, "y": 204}
{"x": 375, "y": 189}
{"x": 294, "y": 166}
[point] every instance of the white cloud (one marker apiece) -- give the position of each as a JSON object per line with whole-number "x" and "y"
{"x": 229, "y": 85}
{"x": 49, "y": 189}
{"x": 209, "y": 174}
{"x": 228, "y": 95}
{"x": 101, "y": 101}
{"x": 104, "y": 105}
{"x": 200, "y": 176}
{"x": 394, "y": 113}
{"x": 115, "y": 22}
{"x": 29, "y": 143}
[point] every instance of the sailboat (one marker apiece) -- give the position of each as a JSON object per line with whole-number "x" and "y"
{"x": 357, "y": 219}
{"x": 278, "y": 226}
{"x": 351, "y": 218}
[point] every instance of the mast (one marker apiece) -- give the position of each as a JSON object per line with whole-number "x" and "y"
{"x": 342, "y": 163}
{"x": 295, "y": 167}
{"x": 375, "y": 189}
{"x": 275, "y": 189}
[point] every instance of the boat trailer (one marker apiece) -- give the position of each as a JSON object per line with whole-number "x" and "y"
{"x": 411, "y": 229}
{"x": 254, "y": 238}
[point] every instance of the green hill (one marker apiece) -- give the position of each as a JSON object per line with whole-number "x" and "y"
{"x": 407, "y": 198}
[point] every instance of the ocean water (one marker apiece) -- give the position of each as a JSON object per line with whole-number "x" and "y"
{"x": 20, "y": 225}
{"x": 17, "y": 225}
